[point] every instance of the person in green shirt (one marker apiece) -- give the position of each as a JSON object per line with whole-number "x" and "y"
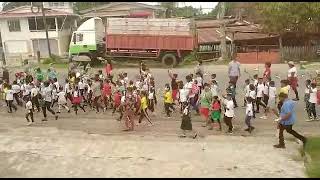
{"x": 205, "y": 103}
{"x": 39, "y": 75}
{"x": 52, "y": 74}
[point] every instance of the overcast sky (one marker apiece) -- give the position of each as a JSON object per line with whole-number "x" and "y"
{"x": 206, "y": 6}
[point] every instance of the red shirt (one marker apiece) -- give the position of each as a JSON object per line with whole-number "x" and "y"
{"x": 106, "y": 89}
{"x": 216, "y": 105}
{"x": 267, "y": 73}
{"x": 117, "y": 98}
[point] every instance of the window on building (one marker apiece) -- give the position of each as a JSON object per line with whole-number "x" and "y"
{"x": 36, "y": 24}
{"x": 14, "y": 25}
{"x": 55, "y": 4}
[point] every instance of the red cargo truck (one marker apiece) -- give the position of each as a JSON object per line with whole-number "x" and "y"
{"x": 166, "y": 40}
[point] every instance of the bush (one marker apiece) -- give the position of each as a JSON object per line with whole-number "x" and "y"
{"x": 53, "y": 59}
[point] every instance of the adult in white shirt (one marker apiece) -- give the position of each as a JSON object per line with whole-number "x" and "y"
{"x": 293, "y": 79}
{"x": 234, "y": 71}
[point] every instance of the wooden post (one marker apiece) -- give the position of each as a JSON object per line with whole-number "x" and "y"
{"x": 280, "y": 47}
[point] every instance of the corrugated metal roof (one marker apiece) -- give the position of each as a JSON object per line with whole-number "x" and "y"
{"x": 209, "y": 31}
{"x": 14, "y": 14}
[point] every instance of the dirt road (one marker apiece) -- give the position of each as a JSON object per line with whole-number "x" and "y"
{"x": 94, "y": 145}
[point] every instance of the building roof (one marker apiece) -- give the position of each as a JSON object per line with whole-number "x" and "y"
{"x": 25, "y": 11}
{"x": 121, "y": 3}
{"x": 209, "y": 31}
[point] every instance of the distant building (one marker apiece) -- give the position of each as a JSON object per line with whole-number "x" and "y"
{"x": 23, "y": 32}
{"x": 124, "y": 9}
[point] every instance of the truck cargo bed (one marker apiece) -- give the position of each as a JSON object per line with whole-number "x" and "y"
{"x": 137, "y": 41}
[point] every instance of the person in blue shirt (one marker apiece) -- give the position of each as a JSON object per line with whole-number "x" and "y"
{"x": 287, "y": 119}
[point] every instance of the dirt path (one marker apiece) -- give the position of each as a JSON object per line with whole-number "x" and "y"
{"x": 49, "y": 152}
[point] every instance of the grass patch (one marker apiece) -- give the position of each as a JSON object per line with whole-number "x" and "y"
{"x": 55, "y": 65}
{"x": 313, "y": 149}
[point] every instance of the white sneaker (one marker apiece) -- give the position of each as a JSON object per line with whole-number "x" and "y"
{"x": 29, "y": 123}
{"x": 277, "y": 120}
{"x": 309, "y": 120}
{"x": 263, "y": 117}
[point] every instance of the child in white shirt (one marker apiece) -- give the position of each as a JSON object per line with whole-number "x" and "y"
{"x": 62, "y": 100}
{"x": 9, "y": 99}
{"x": 29, "y": 111}
{"x": 249, "y": 114}
{"x": 246, "y": 91}
{"x": 260, "y": 89}
{"x": 229, "y": 113}
{"x": 312, "y": 102}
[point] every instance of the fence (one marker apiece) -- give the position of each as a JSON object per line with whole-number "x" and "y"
{"x": 300, "y": 53}
{"x": 258, "y": 54}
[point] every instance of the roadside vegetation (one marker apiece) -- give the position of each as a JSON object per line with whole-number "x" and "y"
{"x": 313, "y": 150}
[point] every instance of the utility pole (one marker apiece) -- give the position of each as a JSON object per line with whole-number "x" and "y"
{"x": 223, "y": 43}
{"x": 39, "y": 5}
{"x": 46, "y": 28}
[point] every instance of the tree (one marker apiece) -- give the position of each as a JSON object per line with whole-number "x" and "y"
{"x": 10, "y": 5}
{"x": 187, "y": 12}
{"x": 80, "y": 6}
{"x": 170, "y": 8}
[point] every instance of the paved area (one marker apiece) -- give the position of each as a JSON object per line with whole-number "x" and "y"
{"x": 94, "y": 145}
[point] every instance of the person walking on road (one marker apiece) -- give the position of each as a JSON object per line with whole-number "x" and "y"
{"x": 234, "y": 71}
{"x": 293, "y": 79}
{"x": 287, "y": 120}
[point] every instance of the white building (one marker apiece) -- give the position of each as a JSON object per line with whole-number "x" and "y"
{"x": 23, "y": 31}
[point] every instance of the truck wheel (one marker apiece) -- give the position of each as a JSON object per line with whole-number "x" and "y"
{"x": 169, "y": 60}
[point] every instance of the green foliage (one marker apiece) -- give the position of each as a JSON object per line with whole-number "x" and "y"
{"x": 11, "y": 5}
{"x": 79, "y": 6}
{"x": 313, "y": 149}
{"x": 54, "y": 59}
{"x": 187, "y": 12}
{"x": 281, "y": 17}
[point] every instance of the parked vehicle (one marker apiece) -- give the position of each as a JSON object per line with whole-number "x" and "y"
{"x": 165, "y": 40}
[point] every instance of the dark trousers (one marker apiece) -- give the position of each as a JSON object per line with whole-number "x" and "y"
{"x": 234, "y": 101}
{"x": 75, "y": 107}
{"x": 17, "y": 99}
{"x": 228, "y": 121}
{"x": 265, "y": 99}
{"x": 312, "y": 110}
{"x": 47, "y": 106}
{"x": 11, "y": 105}
{"x": 35, "y": 102}
{"x": 168, "y": 108}
{"x": 30, "y": 114}
{"x": 260, "y": 102}
{"x": 289, "y": 130}
{"x": 96, "y": 103}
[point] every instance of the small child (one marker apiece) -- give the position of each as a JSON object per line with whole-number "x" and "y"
{"x": 144, "y": 108}
{"x": 229, "y": 113}
{"x": 260, "y": 89}
{"x": 152, "y": 99}
{"x": 272, "y": 104}
{"x": 313, "y": 102}
{"x": 249, "y": 114}
{"x": 246, "y": 91}
{"x": 62, "y": 100}
{"x": 215, "y": 88}
{"x": 255, "y": 80}
{"x": 76, "y": 100}
{"x": 231, "y": 89}
{"x": 186, "y": 125}
{"x": 116, "y": 100}
{"x": 253, "y": 95}
{"x": 9, "y": 99}
{"x": 307, "y": 96}
{"x": 29, "y": 111}
{"x": 216, "y": 113}
{"x": 168, "y": 101}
